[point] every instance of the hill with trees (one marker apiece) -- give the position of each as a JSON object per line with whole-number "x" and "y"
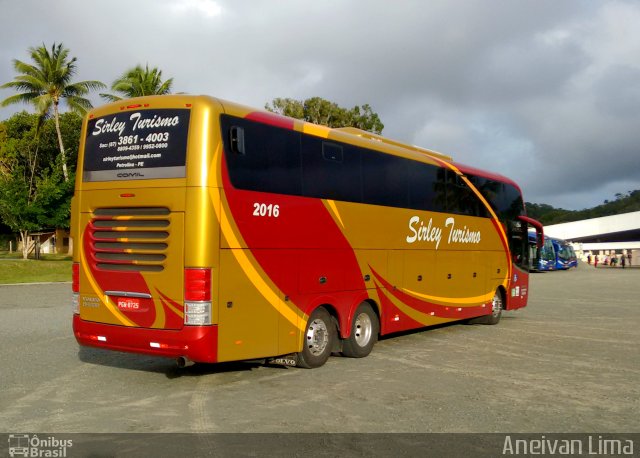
{"x": 623, "y": 203}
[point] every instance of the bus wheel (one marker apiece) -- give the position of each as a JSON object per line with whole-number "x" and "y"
{"x": 496, "y": 308}
{"x": 319, "y": 339}
{"x": 364, "y": 333}
{"x": 497, "y": 304}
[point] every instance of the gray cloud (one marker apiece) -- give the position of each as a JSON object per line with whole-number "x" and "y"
{"x": 544, "y": 92}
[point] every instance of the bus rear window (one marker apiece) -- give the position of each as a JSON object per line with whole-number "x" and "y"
{"x": 137, "y": 145}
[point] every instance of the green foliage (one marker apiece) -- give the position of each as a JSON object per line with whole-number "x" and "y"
{"x": 18, "y": 208}
{"x": 320, "y": 111}
{"x": 70, "y": 128}
{"x": 138, "y": 82}
{"x": 30, "y": 141}
{"x": 47, "y": 82}
{"x": 26, "y": 206}
{"x": 33, "y": 192}
{"x": 624, "y": 203}
{"x": 17, "y": 137}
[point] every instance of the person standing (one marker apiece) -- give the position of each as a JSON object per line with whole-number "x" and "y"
{"x": 623, "y": 261}
{"x": 595, "y": 261}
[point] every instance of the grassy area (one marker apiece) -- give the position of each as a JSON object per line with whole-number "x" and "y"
{"x": 13, "y": 269}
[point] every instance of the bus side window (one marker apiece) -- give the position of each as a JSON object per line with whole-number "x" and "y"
{"x": 236, "y": 139}
{"x": 332, "y": 152}
{"x": 330, "y": 170}
{"x": 261, "y": 157}
{"x": 424, "y": 191}
{"x": 519, "y": 243}
{"x": 384, "y": 180}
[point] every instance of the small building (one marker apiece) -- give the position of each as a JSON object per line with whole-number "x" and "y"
{"x": 49, "y": 242}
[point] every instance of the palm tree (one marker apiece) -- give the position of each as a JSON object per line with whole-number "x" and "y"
{"x": 46, "y": 82}
{"x": 137, "y": 82}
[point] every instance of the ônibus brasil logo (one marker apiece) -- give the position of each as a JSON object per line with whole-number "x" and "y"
{"x": 30, "y": 445}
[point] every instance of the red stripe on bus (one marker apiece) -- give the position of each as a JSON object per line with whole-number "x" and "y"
{"x": 111, "y": 280}
{"x": 440, "y": 311}
{"x": 272, "y": 119}
{"x": 392, "y": 319}
{"x": 304, "y": 239}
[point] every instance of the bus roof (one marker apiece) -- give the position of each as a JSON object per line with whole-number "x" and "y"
{"x": 466, "y": 169}
{"x": 364, "y": 138}
{"x": 371, "y": 136}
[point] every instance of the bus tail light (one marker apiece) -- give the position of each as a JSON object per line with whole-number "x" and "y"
{"x": 197, "y": 297}
{"x": 75, "y": 287}
{"x": 197, "y": 313}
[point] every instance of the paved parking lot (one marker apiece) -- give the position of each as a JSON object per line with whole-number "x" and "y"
{"x": 567, "y": 363}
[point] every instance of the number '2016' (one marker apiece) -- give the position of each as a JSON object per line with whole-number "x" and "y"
{"x": 271, "y": 211}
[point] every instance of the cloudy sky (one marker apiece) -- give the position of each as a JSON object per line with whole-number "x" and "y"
{"x": 546, "y": 92}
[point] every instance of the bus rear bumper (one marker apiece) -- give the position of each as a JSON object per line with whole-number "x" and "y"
{"x": 197, "y": 343}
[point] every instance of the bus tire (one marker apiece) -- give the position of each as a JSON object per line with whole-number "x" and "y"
{"x": 319, "y": 339}
{"x": 364, "y": 333}
{"x": 497, "y": 305}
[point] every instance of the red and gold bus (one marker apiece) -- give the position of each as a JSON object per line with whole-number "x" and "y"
{"x": 208, "y": 231}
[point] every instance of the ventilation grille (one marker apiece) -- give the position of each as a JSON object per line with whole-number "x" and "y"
{"x": 130, "y": 239}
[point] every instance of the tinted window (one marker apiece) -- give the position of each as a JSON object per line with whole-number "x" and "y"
{"x": 324, "y": 175}
{"x": 505, "y": 199}
{"x": 384, "y": 179}
{"x": 518, "y": 243}
{"x": 466, "y": 201}
{"x": 426, "y": 187}
{"x": 491, "y": 190}
{"x": 459, "y": 197}
{"x": 270, "y": 158}
{"x": 512, "y": 205}
{"x": 332, "y": 152}
{"x": 266, "y": 158}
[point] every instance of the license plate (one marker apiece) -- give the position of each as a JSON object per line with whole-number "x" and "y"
{"x": 127, "y": 304}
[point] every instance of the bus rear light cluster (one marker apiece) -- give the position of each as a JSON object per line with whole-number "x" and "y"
{"x": 197, "y": 297}
{"x": 197, "y": 313}
{"x": 75, "y": 277}
{"x": 75, "y": 287}
{"x": 197, "y": 285}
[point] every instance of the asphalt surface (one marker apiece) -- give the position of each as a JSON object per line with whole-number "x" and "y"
{"x": 569, "y": 362}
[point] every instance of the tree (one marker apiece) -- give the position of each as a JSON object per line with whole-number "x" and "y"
{"x": 320, "y": 111}
{"x": 138, "y": 82}
{"x": 70, "y": 127}
{"x": 33, "y": 192}
{"x": 47, "y": 82}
